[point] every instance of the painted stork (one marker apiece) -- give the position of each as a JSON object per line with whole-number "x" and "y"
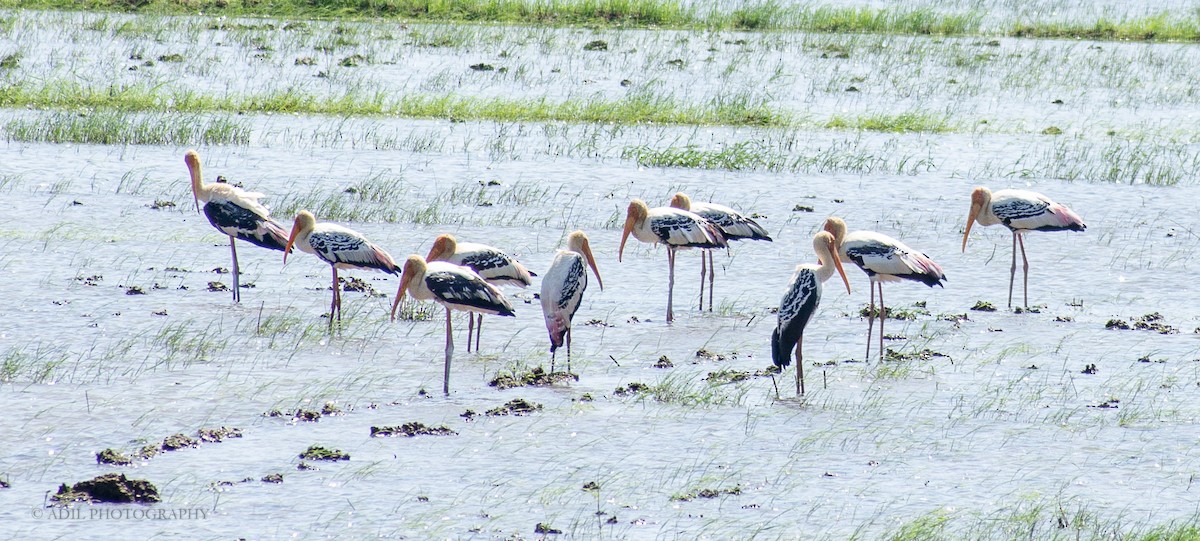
{"x": 491, "y": 264}
{"x": 562, "y": 290}
{"x": 799, "y": 303}
{"x": 678, "y": 229}
{"x": 455, "y": 288}
{"x": 732, "y": 224}
{"x": 884, "y": 259}
{"x": 236, "y": 213}
{"x": 341, "y": 247}
{"x": 1020, "y": 211}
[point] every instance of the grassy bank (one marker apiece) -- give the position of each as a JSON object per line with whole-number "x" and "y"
{"x": 632, "y": 109}
{"x": 761, "y": 15}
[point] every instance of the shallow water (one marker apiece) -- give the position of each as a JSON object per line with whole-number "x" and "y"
{"x": 980, "y": 436}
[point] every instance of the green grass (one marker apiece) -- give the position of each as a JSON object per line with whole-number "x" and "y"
{"x": 904, "y": 122}
{"x": 118, "y": 127}
{"x": 1161, "y": 27}
{"x": 637, "y": 108}
{"x": 756, "y": 15}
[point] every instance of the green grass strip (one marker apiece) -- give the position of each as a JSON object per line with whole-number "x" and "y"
{"x": 1161, "y": 27}
{"x": 755, "y": 15}
{"x": 903, "y": 122}
{"x": 633, "y": 109}
{"x": 121, "y": 128}
{"x": 758, "y": 15}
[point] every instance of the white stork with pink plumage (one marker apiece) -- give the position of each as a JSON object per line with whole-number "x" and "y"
{"x": 1021, "y": 211}
{"x": 341, "y": 247}
{"x": 884, "y": 259}
{"x": 677, "y": 229}
{"x": 562, "y": 291}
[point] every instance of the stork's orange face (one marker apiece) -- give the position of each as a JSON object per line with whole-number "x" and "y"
{"x": 304, "y": 222}
{"x": 681, "y": 201}
{"x": 413, "y": 266}
{"x": 836, "y": 227}
{"x": 443, "y": 247}
{"x": 637, "y": 213}
{"x": 980, "y": 198}
{"x": 192, "y": 159}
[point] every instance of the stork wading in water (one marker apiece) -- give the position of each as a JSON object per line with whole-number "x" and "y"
{"x": 236, "y": 213}
{"x": 342, "y": 248}
{"x": 677, "y": 229}
{"x": 1021, "y": 211}
{"x": 733, "y": 226}
{"x": 455, "y": 288}
{"x": 799, "y": 303}
{"x": 884, "y": 259}
{"x": 491, "y": 264}
{"x": 562, "y": 290}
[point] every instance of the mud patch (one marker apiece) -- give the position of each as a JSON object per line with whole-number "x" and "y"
{"x": 410, "y": 430}
{"x": 726, "y": 376}
{"x": 923, "y": 355}
{"x": 901, "y": 313}
{"x": 178, "y": 441}
{"x": 707, "y": 494}
{"x": 359, "y": 285}
{"x": 633, "y": 388}
{"x": 316, "y": 452}
{"x": 983, "y": 306}
{"x": 307, "y": 416}
{"x": 217, "y": 435}
{"x": 108, "y": 488}
{"x": 537, "y": 377}
{"x": 114, "y": 457}
{"x": 516, "y": 406}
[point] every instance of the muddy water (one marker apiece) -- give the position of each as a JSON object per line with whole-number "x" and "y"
{"x": 1006, "y": 421}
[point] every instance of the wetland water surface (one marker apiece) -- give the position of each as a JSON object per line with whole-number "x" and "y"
{"x": 989, "y": 425}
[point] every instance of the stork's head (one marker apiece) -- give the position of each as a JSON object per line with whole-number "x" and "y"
{"x": 578, "y": 242}
{"x": 681, "y": 201}
{"x": 301, "y": 227}
{"x": 192, "y": 159}
{"x": 444, "y": 246}
{"x": 980, "y": 199}
{"x": 414, "y": 269}
{"x": 636, "y": 215}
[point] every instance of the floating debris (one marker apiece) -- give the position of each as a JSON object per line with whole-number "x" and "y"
{"x": 1118, "y": 324}
{"x": 108, "y": 488}
{"x": 664, "y": 362}
{"x": 923, "y": 355}
{"x": 537, "y": 377}
{"x": 217, "y": 435}
{"x": 114, "y": 457}
{"x": 544, "y": 528}
{"x": 726, "y": 376}
{"x": 273, "y": 478}
{"x": 591, "y": 486}
{"x": 596, "y": 45}
{"x": 1111, "y": 403}
{"x": 178, "y": 441}
{"x": 217, "y": 286}
{"x": 706, "y": 354}
{"x": 1090, "y": 369}
{"x": 983, "y": 306}
{"x": 135, "y": 290}
{"x": 516, "y": 407}
{"x": 706, "y": 493}
{"x": 632, "y": 388}
{"x": 411, "y": 430}
{"x": 316, "y": 452}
